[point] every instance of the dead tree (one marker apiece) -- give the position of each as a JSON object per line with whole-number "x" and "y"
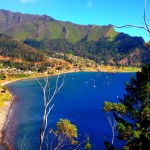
{"x": 113, "y": 124}
{"x": 47, "y": 97}
{"x": 146, "y": 22}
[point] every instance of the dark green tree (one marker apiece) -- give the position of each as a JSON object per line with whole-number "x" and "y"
{"x": 132, "y": 114}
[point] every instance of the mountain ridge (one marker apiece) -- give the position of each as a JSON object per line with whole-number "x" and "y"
{"x": 40, "y": 27}
{"x": 99, "y": 43}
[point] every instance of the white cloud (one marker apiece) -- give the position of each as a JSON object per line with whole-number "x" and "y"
{"x": 89, "y": 4}
{"x": 25, "y": 1}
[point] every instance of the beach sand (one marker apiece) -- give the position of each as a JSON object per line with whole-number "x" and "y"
{"x": 4, "y": 112}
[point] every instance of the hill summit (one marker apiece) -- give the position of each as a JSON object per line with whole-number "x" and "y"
{"x": 99, "y": 43}
{"x": 45, "y": 27}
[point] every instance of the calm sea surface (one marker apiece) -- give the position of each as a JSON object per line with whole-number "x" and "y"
{"x": 80, "y": 100}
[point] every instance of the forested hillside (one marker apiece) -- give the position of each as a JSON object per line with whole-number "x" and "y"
{"x": 15, "y": 49}
{"x": 99, "y": 43}
{"x": 123, "y": 50}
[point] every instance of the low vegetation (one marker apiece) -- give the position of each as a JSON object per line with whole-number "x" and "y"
{"x": 66, "y": 137}
{"x": 4, "y": 95}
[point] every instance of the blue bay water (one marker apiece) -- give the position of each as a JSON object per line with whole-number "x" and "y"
{"x": 80, "y": 100}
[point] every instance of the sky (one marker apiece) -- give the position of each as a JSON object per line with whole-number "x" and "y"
{"x": 94, "y": 12}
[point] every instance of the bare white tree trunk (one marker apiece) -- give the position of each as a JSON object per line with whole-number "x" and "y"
{"x": 23, "y": 142}
{"x": 47, "y": 104}
{"x": 113, "y": 124}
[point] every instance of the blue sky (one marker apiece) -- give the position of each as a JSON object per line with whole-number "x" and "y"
{"x": 98, "y": 12}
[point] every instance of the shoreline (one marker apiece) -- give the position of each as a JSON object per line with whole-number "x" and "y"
{"x": 4, "y": 114}
{"x": 5, "y": 110}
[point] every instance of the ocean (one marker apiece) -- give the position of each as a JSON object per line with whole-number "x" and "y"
{"x": 80, "y": 100}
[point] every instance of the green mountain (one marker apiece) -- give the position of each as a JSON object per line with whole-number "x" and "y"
{"x": 22, "y": 26}
{"x": 15, "y": 49}
{"x": 99, "y": 43}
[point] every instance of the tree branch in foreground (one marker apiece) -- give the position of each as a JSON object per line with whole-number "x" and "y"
{"x": 47, "y": 101}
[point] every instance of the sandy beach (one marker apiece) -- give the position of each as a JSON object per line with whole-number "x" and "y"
{"x": 4, "y": 112}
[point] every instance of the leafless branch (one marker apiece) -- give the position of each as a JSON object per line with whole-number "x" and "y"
{"x": 131, "y": 26}
{"x": 47, "y": 101}
{"x": 46, "y": 118}
{"x": 77, "y": 148}
{"x": 145, "y": 18}
{"x": 57, "y": 89}
{"x": 22, "y": 144}
{"x": 113, "y": 126}
{"x": 62, "y": 140}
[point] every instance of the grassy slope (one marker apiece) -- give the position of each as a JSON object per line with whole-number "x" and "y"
{"x": 111, "y": 34}
{"x": 4, "y": 97}
{"x": 96, "y": 33}
{"x": 22, "y": 26}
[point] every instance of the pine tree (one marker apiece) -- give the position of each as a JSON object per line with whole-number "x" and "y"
{"x": 132, "y": 114}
